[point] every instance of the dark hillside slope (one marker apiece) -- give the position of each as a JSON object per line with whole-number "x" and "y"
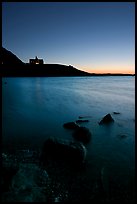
{"x": 9, "y": 58}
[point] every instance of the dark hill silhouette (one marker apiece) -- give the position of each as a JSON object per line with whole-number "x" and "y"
{"x": 13, "y": 66}
{"x": 9, "y": 58}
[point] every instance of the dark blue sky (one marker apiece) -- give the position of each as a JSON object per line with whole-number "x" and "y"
{"x": 96, "y": 37}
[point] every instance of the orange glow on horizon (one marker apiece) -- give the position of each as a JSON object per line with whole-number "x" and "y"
{"x": 110, "y": 71}
{"x": 106, "y": 69}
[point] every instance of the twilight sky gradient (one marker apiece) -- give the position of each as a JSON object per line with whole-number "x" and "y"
{"x": 95, "y": 37}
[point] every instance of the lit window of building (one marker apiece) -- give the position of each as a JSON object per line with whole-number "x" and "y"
{"x": 36, "y": 61}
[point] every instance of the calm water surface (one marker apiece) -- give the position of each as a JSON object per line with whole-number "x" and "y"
{"x": 35, "y": 108}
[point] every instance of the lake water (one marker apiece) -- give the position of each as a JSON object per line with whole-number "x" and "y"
{"x": 35, "y": 108}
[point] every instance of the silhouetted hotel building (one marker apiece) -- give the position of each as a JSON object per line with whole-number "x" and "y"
{"x": 36, "y": 61}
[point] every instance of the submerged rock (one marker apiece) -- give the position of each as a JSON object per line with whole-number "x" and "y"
{"x": 81, "y": 121}
{"x": 70, "y": 125}
{"x": 80, "y": 117}
{"x": 23, "y": 182}
{"x": 29, "y": 176}
{"x": 29, "y": 183}
{"x": 122, "y": 136}
{"x": 28, "y": 156}
{"x": 82, "y": 134}
{"x": 106, "y": 120}
{"x": 116, "y": 112}
{"x": 70, "y": 152}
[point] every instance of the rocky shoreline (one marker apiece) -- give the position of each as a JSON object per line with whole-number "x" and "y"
{"x": 55, "y": 173}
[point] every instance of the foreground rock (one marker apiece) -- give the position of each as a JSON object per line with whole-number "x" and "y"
{"x": 23, "y": 182}
{"x": 82, "y": 134}
{"x": 106, "y": 120}
{"x": 70, "y": 152}
{"x": 29, "y": 183}
{"x": 70, "y": 125}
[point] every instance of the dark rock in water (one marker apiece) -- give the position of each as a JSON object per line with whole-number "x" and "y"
{"x": 63, "y": 150}
{"x": 122, "y": 136}
{"x": 79, "y": 150}
{"x": 82, "y": 134}
{"x": 80, "y": 117}
{"x": 71, "y": 125}
{"x": 116, "y": 112}
{"x": 106, "y": 120}
{"x": 81, "y": 121}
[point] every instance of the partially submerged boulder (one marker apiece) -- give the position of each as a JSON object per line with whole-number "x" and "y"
{"x": 82, "y": 134}
{"x": 66, "y": 151}
{"x": 70, "y": 125}
{"x": 106, "y": 119}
